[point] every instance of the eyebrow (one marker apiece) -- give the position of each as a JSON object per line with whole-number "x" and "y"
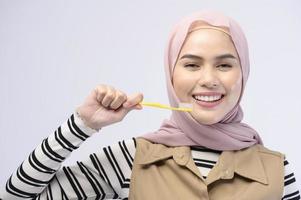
{"x": 223, "y": 56}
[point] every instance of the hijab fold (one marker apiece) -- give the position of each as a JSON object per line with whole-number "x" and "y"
{"x": 181, "y": 129}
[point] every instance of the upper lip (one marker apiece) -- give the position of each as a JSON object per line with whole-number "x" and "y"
{"x": 207, "y": 94}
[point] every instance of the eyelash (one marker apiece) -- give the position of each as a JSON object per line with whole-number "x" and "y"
{"x": 227, "y": 66}
{"x": 190, "y": 65}
{"x": 193, "y": 65}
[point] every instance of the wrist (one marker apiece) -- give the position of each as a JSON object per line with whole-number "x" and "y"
{"x": 81, "y": 122}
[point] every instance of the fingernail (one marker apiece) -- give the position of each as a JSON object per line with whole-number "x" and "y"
{"x": 139, "y": 106}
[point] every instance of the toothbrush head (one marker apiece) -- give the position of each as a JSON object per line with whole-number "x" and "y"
{"x": 185, "y": 106}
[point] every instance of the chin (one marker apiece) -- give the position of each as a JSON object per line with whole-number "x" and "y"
{"x": 205, "y": 121}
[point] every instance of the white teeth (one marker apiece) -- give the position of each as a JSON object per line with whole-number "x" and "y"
{"x": 208, "y": 98}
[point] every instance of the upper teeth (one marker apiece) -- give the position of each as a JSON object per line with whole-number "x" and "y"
{"x": 208, "y": 98}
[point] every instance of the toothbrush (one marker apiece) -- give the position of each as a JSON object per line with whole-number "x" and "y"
{"x": 185, "y": 107}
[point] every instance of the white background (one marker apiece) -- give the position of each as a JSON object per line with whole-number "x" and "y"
{"x": 52, "y": 54}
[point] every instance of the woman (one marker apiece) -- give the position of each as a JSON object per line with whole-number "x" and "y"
{"x": 207, "y": 153}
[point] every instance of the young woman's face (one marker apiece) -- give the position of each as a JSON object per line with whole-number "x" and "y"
{"x": 208, "y": 75}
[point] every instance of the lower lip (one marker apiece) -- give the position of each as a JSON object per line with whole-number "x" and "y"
{"x": 209, "y": 104}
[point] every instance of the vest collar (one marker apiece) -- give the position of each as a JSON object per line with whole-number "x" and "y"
{"x": 246, "y": 162}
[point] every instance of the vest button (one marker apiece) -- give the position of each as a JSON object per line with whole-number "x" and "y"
{"x": 180, "y": 155}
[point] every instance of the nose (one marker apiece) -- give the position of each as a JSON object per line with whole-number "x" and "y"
{"x": 208, "y": 78}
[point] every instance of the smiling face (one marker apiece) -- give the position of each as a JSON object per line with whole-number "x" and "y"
{"x": 208, "y": 75}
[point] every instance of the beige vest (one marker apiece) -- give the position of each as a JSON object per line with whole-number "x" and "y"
{"x": 169, "y": 173}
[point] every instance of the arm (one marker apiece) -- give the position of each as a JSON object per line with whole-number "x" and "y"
{"x": 104, "y": 175}
{"x": 39, "y": 174}
{"x": 39, "y": 169}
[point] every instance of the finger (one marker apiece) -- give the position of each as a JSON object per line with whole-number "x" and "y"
{"x": 133, "y": 103}
{"x": 101, "y": 91}
{"x": 138, "y": 106}
{"x": 133, "y": 100}
{"x": 125, "y": 110}
{"x": 109, "y": 97}
{"x": 120, "y": 98}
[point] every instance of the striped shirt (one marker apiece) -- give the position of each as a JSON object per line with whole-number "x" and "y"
{"x": 103, "y": 175}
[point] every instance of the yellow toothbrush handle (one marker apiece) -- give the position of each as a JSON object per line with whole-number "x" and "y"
{"x": 158, "y": 105}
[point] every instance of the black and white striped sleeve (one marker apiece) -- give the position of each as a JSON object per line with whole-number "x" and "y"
{"x": 33, "y": 177}
{"x": 103, "y": 175}
{"x": 291, "y": 190}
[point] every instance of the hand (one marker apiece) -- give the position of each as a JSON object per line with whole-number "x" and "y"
{"x": 106, "y": 105}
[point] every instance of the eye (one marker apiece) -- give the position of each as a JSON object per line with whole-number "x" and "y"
{"x": 224, "y": 66}
{"x": 191, "y": 65}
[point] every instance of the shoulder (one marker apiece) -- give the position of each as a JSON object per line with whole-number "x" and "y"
{"x": 119, "y": 154}
{"x": 269, "y": 157}
{"x": 143, "y": 143}
{"x": 126, "y": 147}
{"x": 290, "y": 189}
{"x": 272, "y": 161}
{"x": 269, "y": 152}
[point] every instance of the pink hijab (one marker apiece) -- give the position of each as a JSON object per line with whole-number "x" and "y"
{"x": 182, "y": 129}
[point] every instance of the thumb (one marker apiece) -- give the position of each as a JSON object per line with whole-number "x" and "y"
{"x": 133, "y": 101}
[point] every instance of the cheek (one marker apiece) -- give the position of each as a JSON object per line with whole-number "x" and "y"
{"x": 236, "y": 86}
{"x": 234, "y": 90}
{"x": 182, "y": 86}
